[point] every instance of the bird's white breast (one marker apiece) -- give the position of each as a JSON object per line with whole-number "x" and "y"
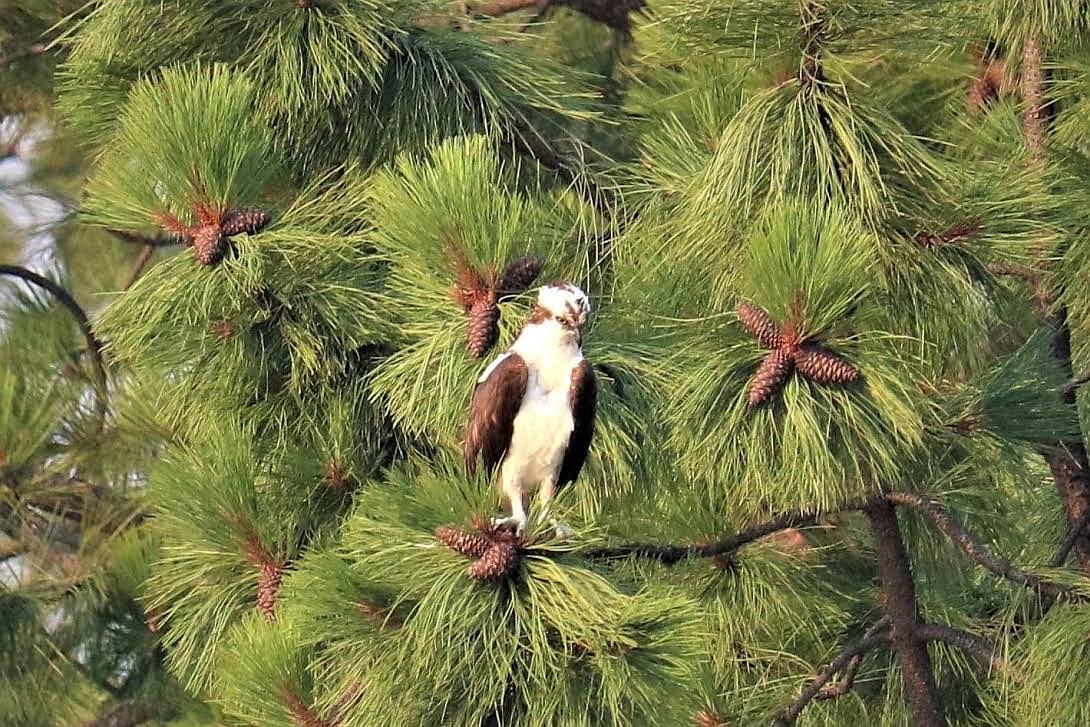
{"x": 544, "y": 423}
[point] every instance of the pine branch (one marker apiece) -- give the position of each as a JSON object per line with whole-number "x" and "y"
{"x": 978, "y": 646}
{"x": 899, "y": 588}
{"x": 978, "y": 551}
{"x": 1074, "y": 531}
{"x": 497, "y": 8}
{"x": 847, "y": 681}
{"x": 126, "y": 714}
{"x": 530, "y": 143}
{"x": 65, "y": 299}
{"x": 35, "y": 49}
{"x": 140, "y": 264}
{"x": 164, "y": 240}
{"x": 1076, "y": 382}
{"x": 842, "y": 662}
{"x": 672, "y": 554}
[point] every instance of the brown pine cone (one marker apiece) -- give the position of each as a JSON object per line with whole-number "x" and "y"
{"x": 484, "y": 325}
{"x": 770, "y": 375}
{"x": 268, "y": 586}
{"x": 520, "y": 274}
{"x": 209, "y": 243}
{"x": 824, "y": 367}
{"x": 759, "y": 325}
{"x": 472, "y": 544}
{"x": 499, "y": 562}
{"x": 248, "y": 220}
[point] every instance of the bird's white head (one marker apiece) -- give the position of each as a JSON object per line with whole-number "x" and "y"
{"x": 569, "y": 305}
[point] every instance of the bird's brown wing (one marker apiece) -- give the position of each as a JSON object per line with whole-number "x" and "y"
{"x": 583, "y": 397}
{"x": 492, "y": 410}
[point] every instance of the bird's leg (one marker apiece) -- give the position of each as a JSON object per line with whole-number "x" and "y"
{"x": 545, "y": 497}
{"x": 518, "y": 511}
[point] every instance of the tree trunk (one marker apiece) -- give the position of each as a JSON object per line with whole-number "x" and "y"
{"x": 900, "y": 593}
{"x": 1068, "y": 461}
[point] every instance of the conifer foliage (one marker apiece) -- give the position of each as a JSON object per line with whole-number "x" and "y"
{"x": 836, "y": 253}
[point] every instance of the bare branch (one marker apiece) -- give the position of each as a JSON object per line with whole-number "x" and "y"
{"x": 496, "y": 8}
{"x": 140, "y": 264}
{"x": 671, "y": 554}
{"x": 1073, "y": 532}
{"x": 980, "y": 552}
{"x": 978, "y": 646}
{"x": 125, "y": 714}
{"x": 847, "y": 681}
{"x": 35, "y": 49}
{"x": 841, "y": 662}
{"x": 65, "y": 299}
{"x": 164, "y": 240}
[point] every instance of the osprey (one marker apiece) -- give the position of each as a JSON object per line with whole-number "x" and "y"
{"x": 532, "y": 411}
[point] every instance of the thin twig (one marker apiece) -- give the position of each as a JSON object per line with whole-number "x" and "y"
{"x": 140, "y": 264}
{"x": 978, "y": 551}
{"x": 847, "y": 681}
{"x": 65, "y": 299}
{"x": 671, "y": 554}
{"x": 496, "y": 8}
{"x": 165, "y": 240}
{"x": 35, "y": 49}
{"x": 842, "y": 660}
{"x": 1073, "y": 533}
{"x": 1077, "y": 381}
{"x": 978, "y": 646}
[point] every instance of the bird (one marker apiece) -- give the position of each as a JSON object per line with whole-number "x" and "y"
{"x": 532, "y": 411}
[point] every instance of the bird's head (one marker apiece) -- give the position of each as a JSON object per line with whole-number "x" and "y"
{"x": 565, "y": 303}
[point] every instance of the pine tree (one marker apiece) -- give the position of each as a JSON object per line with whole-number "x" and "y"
{"x": 837, "y": 262}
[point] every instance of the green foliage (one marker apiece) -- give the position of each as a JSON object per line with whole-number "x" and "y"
{"x": 153, "y": 175}
{"x": 812, "y": 445}
{"x": 558, "y": 642}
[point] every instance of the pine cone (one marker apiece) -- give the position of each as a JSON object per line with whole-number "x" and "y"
{"x": 520, "y": 274}
{"x": 268, "y": 586}
{"x": 250, "y": 221}
{"x": 209, "y": 244}
{"x": 708, "y": 718}
{"x": 770, "y": 375}
{"x": 824, "y": 367}
{"x": 759, "y": 325}
{"x": 484, "y": 328}
{"x": 499, "y": 562}
{"x": 472, "y": 544}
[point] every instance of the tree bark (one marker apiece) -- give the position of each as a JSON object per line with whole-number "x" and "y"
{"x": 901, "y": 607}
{"x": 1068, "y": 461}
{"x": 1033, "y": 95}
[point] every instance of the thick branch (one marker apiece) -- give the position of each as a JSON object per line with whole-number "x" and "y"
{"x": 842, "y": 661}
{"x": 65, "y": 299}
{"x": 899, "y": 588}
{"x": 977, "y": 550}
{"x": 978, "y": 646}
